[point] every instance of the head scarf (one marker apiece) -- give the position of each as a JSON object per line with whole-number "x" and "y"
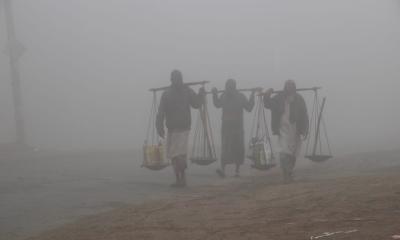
{"x": 176, "y": 79}
{"x": 230, "y": 86}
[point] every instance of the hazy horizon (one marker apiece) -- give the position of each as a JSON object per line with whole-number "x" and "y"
{"x": 89, "y": 64}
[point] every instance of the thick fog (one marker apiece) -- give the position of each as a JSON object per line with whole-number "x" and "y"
{"x": 88, "y": 64}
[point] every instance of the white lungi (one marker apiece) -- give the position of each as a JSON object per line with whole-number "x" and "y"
{"x": 177, "y": 143}
{"x": 289, "y": 140}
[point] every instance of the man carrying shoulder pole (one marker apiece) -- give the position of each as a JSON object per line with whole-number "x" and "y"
{"x": 174, "y": 113}
{"x": 233, "y": 104}
{"x": 289, "y": 122}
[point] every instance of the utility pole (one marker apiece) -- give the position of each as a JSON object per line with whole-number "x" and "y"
{"x": 15, "y": 51}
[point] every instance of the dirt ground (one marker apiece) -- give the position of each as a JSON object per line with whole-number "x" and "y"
{"x": 357, "y": 198}
{"x": 45, "y": 190}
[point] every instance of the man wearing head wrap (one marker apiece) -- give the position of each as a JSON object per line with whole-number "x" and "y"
{"x": 289, "y": 122}
{"x": 174, "y": 112}
{"x": 232, "y": 103}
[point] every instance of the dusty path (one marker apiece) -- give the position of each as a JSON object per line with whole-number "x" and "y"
{"x": 48, "y": 192}
{"x": 363, "y": 206}
{"x": 44, "y": 191}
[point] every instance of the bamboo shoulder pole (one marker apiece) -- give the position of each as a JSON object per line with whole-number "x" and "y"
{"x": 315, "y": 89}
{"x": 240, "y": 90}
{"x": 300, "y": 89}
{"x": 186, "y": 84}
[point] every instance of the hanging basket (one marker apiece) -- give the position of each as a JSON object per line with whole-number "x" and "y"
{"x": 154, "y": 157}
{"x": 318, "y": 158}
{"x": 156, "y": 167}
{"x": 203, "y": 148}
{"x": 318, "y": 142}
{"x": 260, "y": 146}
{"x": 261, "y": 155}
{"x": 153, "y": 149}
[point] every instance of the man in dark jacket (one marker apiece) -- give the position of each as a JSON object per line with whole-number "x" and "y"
{"x": 289, "y": 122}
{"x": 232, "y": 103}
{"x": 174, "y": 112}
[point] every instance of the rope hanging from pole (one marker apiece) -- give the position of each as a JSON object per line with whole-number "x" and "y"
{"x": 315, "y": 149}
{"x": 153, "y": 150}
{"x": 203, "y": 147}
{"x": 154, "y": 157}
{"x": 260, "y": 145}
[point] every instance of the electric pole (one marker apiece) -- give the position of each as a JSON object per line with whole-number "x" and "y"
{"x": 15, "y": 51}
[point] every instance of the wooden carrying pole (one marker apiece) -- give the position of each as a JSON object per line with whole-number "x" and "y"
{"x": 186, "y": 84}
{"x": 297, "y": 90}
{"x": 300, "y": 90}
{"x": 240, "y": 90}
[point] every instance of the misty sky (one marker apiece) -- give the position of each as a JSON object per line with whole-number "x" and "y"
{"x": 89, "y": 63}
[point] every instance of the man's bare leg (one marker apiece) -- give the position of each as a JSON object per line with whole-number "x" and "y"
{"x": 237, "y": 172}
{"x": 175, "y": 163}
{"x": 221, "y": 171}
{"x": 292, "y": 164}
{"x": 284, "y": 159}
{"x": 183, "y": 166}
{"x": 183, "y": 178}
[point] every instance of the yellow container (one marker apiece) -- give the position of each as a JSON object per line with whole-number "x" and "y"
{"x": 153, "y": 155}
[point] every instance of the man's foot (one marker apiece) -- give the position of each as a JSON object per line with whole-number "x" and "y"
{"x": 290, "y": 178}
{"x": 287, "y": 179}
{"x": 182, "y": 185}
{"x": 237, "y": 171}
{"x": 183, "y": 182}
{"x": 220, "y": 173}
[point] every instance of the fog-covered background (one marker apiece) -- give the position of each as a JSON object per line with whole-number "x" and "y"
{"x": 89, "y": 63}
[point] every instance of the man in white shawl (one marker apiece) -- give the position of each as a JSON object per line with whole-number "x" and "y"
{"x": 290, "y": 123}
